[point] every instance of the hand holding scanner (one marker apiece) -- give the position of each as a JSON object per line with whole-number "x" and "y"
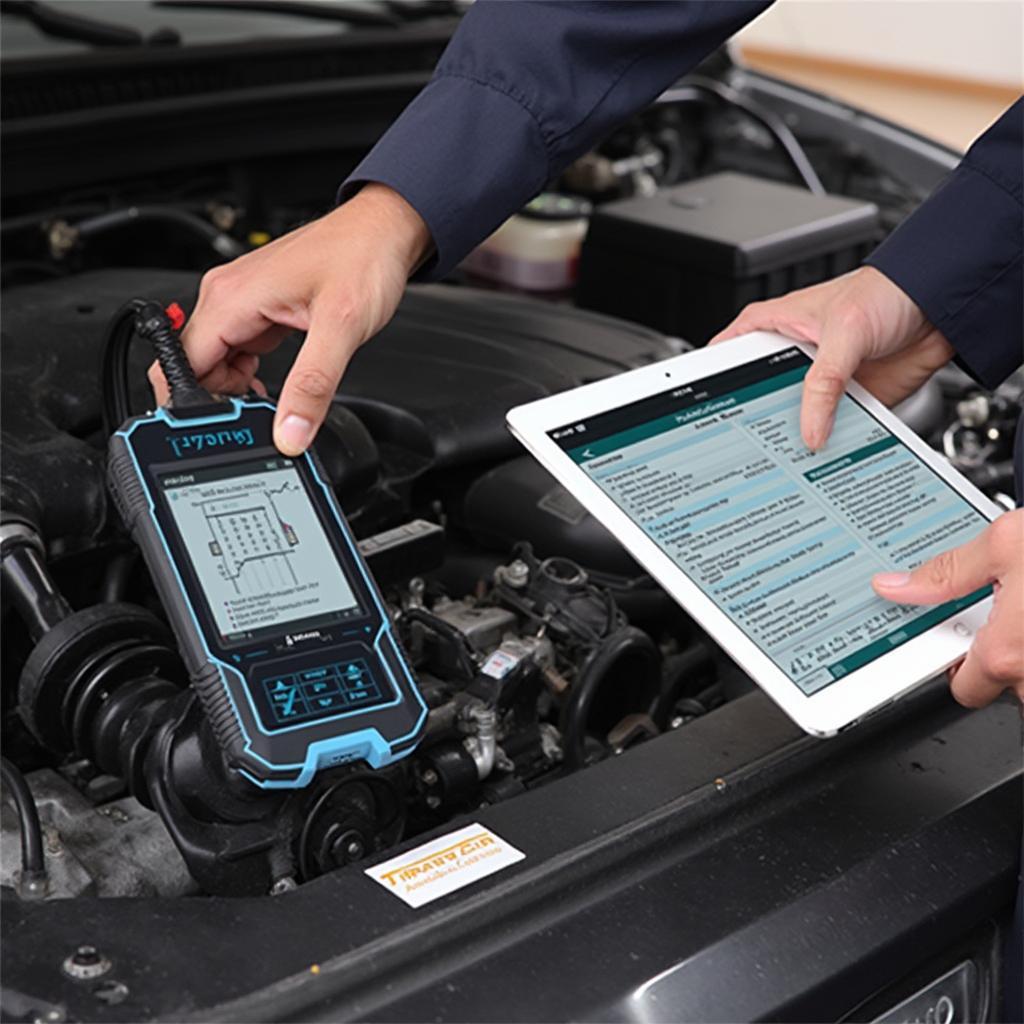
{"x": 285, "y": 635}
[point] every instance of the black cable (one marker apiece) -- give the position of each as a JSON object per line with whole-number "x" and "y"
{"x": 149, "y": 321}
{"x": 30, "y": 588}
{"x": 768, "y": 119}
{"x": 38, "y": 220}
{"x": 33, "y": 866}
{"x": 114, "y": 367}
{"x": 463, "y": 649}
{"x": 94, "y": 220}
{"x": 221, "y": 243}
{"x": 153, "y": 324}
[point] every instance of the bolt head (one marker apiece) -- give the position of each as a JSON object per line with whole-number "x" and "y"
{"x": 517, "y": 573}
{"x": 348, "y": 847}
{"x": 282, "y": 885}
{"x": 85, "y": 963}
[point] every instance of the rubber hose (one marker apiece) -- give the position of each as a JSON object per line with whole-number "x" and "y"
{"x": 628, "y": 642}
{"x": 33, "y": 866}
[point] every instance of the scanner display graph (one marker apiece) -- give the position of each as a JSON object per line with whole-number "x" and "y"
{"x": 257, "y": 546}
{"x": 254, "y": 544}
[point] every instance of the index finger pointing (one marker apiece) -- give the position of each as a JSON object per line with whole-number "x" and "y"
{"x": 312, "y": 382}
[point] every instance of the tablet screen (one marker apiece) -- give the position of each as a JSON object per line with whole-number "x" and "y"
{"x": 783, "y": 540}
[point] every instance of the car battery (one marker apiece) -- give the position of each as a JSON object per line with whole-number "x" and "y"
{"x": 687, "y": 259}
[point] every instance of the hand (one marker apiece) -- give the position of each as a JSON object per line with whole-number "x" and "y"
{"x": 864, "y": 327}
{"x": 995, "y": 661}
{"x": 338, "y": 279}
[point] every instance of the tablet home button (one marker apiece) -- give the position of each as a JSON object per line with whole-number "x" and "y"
{"x": 961, "y": 630}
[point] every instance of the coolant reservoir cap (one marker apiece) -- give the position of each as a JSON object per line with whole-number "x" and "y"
{"x": 553, "y": 206}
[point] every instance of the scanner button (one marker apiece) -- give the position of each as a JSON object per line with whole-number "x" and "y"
{"x": 363, "y": 695}
{"x": 312, "y": 675}
{"x": 961, "y": 630}
{"x": 328, "y": 702}
{"x": 285, "y": 698}
{"x": 354, "y": 673}
{"x": 321, "y": 687}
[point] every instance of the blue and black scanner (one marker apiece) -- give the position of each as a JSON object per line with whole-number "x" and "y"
{"x": 285, "y": 635}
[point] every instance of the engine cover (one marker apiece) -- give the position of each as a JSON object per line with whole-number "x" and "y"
{"x": 464, "y": 361}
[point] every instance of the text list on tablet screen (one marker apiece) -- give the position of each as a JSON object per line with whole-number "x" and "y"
{"x": 784, "y": 540}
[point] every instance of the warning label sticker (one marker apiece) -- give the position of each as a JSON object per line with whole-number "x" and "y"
{"x": 445, "y": 865}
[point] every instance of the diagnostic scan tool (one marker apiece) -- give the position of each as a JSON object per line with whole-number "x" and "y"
{"x": 285, "y": 635}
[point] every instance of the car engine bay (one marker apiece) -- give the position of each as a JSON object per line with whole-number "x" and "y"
{"x": 483, "y": 559}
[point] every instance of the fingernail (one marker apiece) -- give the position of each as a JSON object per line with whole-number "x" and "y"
{"x": 892, "y": 579}
{"x": 294, "y": 434}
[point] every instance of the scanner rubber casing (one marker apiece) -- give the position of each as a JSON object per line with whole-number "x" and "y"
{"x": 228, "y": 678}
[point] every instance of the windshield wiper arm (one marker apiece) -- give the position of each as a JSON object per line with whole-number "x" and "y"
{"x": 61, "y": 24}
{"x": 349, "y": 14}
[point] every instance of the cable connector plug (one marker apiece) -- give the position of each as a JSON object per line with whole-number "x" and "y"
{"x": 156, "y": 325}
{"x": 176, "y": 315}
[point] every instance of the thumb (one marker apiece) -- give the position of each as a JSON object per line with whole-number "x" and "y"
{"x": 312, "y": 382}
{"x": 952, "y": 574}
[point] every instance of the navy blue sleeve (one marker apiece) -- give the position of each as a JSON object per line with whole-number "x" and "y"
{"x": 521, "y": 91}
{"x": 958, "y": 256}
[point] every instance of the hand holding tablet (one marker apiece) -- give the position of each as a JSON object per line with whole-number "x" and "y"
{"x": 995, "y": 662}
{"x": 698, "y": 466}
{"x": 865, "y": 327}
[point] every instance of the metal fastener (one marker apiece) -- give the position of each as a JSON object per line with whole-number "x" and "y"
{"x": 85, "y": 963}
{"x": 283, "y": 885}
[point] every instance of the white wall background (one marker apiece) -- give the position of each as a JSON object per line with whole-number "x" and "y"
{"x": 981, "y": 40}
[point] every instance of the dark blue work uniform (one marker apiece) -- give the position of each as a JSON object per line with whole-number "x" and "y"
{"x": 524, "y": 88}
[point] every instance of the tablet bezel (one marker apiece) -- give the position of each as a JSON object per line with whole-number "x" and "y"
{"x": 841, "y": 703}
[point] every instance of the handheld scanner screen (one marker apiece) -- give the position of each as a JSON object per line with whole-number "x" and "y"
{"x": 288, "y": 642}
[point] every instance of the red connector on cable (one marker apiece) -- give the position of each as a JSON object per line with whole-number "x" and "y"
{"x": 176, "y": 315}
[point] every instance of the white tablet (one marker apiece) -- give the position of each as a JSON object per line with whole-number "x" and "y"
{"x": 697, "y": 466}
